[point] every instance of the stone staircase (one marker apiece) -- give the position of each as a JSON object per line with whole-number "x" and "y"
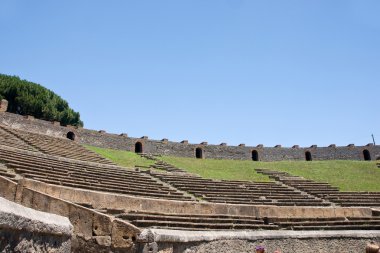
{"x": 161, "y": 165}
{"x": 325, "y": 191}
{"x": 194, "y": 221}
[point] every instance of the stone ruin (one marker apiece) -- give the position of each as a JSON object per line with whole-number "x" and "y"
{"x": 57, "y": 196}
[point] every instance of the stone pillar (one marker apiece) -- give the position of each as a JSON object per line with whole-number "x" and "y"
{"x": 3, "y": 105}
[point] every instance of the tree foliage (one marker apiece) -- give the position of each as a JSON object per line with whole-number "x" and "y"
{"x": 27, "y": 98}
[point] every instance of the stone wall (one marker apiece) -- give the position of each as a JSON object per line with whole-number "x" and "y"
{"x": 103, "y": 200}
{"x": 26, "y": 230}
{"x": 285, "y": 241}
{"x": 3, "y": 105}
{"x": 93, "y": 231}
{"x": 165, "y": 147}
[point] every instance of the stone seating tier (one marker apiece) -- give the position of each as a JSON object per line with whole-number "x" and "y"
{"x": 325, "y": 190}
{"x": 5, "y": 173}
{"x": 194, "y": 222}
{"x": 239, "y": 192}
{"x": 10, "y": 140}
{"x": 83, "y": 175}
{"x": 336, "y": 223}
{"x": 146, "y": 219}
{"x": 53, "y": 146}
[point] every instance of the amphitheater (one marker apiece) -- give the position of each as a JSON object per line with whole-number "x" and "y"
{"x": 58, "y": 196}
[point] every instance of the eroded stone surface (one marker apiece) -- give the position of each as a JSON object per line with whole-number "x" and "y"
{"x": 26, "y": 230}
{"x": 18, "y": 217}
{"x": 337, "y": 245}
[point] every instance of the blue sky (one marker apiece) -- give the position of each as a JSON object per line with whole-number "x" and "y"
{"x": 254, "y": 72}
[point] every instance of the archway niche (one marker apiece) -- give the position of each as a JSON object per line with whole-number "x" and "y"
{"x": 255, "y": 155}
{"x": 199, "y": 153}
{"x": 367, "y": 155}
{"x": 71, "y": 136}
{"x": 308, "y": 156}
{"x": 138, "y": 147}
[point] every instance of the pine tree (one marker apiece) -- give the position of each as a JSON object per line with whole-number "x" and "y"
{"x": 27, "y": 98}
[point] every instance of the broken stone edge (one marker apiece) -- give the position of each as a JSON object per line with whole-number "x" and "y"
{"x": 17, "y": 217}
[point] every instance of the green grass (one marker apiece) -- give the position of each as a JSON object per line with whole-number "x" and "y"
{"x": 218, "y": 169}
{"x": 122, "y": 158}
{"x": 347, "y": 175}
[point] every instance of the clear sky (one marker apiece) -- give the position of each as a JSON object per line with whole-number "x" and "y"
{"x": 254, "y": 72}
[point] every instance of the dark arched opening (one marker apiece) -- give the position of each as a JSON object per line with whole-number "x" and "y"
{"x": 199, "y": 153}
{"x": 71, "y": 136}
{"x": 255, "y": 155}
{"x": 138, "y": 147}
{"x": 308, "y": 156}
{"x": 367, "y": 155}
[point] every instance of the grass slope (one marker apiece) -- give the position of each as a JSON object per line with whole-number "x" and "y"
{"x": 347, "y": 175}
{"x": 218, "y": 169}
{"x": 122, "y": 158}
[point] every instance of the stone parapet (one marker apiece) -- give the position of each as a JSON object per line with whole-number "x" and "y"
{"x": 28, "y": 230}
{"x": 186, "y": 149}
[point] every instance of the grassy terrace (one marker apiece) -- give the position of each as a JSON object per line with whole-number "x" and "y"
{"x": 347, "y": 175}
{"x": 122, "y": 158}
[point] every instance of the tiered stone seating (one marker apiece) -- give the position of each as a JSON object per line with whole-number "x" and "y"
{"x": 161, "y": 165}
{"x": 370, "y": 199}
{"x": 54, "y": 146}
{"x": 5, "y": 172}
{"x": 309, "y": 186}
{"x": 85, "y": 175}
{"x": 238, "y": 192}
{"x": 336, "y": 223}
{"x": 10, "y": 140}
{"x": 194, "y": 221}
{"x": 325, "y": 190}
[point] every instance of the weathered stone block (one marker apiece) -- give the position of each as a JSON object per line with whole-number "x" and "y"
{"x": 27, "y": 197}
{"x": 28, "y": 230}
{"x": 41, "y": 202}
{"x": 102, "y": 225}
{"x": 123, "y": 235}
{"x": 81, "y": 219}
{"x": 103, "y": 240}
{"x": 8, "y": 189}
{"x": 59, "y": 207}
{"x": 3, "y": 105}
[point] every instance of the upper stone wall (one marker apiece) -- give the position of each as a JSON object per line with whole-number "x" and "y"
{"x": 184, "y": 149}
